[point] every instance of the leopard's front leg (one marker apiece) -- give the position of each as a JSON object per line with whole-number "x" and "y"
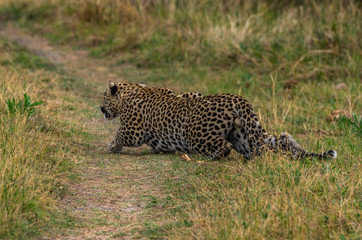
{"x": 115, "y": 146}
{"x": 126, "y": 136}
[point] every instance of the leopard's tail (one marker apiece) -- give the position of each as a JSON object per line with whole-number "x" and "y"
{"x": 289, "y": 145}
{"x": 245, "y": 118}
{"x": 327, "y": 154}
{"x": 302, "y": 154}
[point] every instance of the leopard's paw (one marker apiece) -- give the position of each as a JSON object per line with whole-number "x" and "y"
{"x": 114, "y": 148}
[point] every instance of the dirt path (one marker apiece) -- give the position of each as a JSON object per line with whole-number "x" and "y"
{"x": 110, "y": 196}
{"x": 73, "y": 61}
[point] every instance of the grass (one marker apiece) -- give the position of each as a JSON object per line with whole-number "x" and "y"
{"x": 20, "y": 57}
{"x": 22, "y": 107}
{"x": 285, "y": 58}
{"x": 35, "y": 148}
{"x": 301, "y": 40}
{"x": 274, "y": 198}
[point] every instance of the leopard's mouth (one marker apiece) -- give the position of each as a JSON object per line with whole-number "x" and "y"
{"x": 107, "y": 115}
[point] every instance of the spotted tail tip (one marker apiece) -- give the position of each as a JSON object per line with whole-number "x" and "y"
{"x": 331, "y": 154}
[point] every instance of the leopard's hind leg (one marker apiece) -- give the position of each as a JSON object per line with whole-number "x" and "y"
{"x": 215, "y": 148}
{"x": 240, "y": 142}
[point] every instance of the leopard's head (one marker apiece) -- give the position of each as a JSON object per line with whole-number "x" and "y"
{"x": 110, "y": 102}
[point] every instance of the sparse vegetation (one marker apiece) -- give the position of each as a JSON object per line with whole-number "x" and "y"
{"x": 22, "y": 107}
{"x": 23, "y": 59}
{"x": 355, "y": 124}
{"x": 295, "y": 61}
{"x": 33, "y": 162}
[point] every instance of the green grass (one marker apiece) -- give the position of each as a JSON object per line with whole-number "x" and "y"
{"x": 36, "y": 149}
{"x": 285, "y": 58}
{"x": 301, "y": 40}
{"x": 23, "y": 59}
{"x": 273, "y": 197}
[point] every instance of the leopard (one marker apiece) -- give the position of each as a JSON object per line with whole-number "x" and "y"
{"x": 190, "y": 95}
{"x": 168, "y": 91}
{"x": 209, "y": 125}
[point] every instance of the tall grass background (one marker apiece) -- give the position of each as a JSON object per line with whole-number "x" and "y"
{"x": 302, "y": 40}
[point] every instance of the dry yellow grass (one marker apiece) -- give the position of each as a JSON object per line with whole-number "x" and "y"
{"x": 285, "y": 58}
{"x": 276, "y": 199}
{"x": 32, "y": 149}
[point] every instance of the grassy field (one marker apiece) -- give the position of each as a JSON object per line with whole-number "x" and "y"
{"x": 37, "y": 152}
{"x": 296, "y": 62}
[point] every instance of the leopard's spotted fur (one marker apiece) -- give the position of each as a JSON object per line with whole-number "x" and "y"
{"x": 209, "y": 125}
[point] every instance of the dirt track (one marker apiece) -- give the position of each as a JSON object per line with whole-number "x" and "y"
{"x": 108, "y": 197}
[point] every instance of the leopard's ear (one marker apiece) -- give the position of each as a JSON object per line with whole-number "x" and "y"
{"x": 113, "y": 87}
